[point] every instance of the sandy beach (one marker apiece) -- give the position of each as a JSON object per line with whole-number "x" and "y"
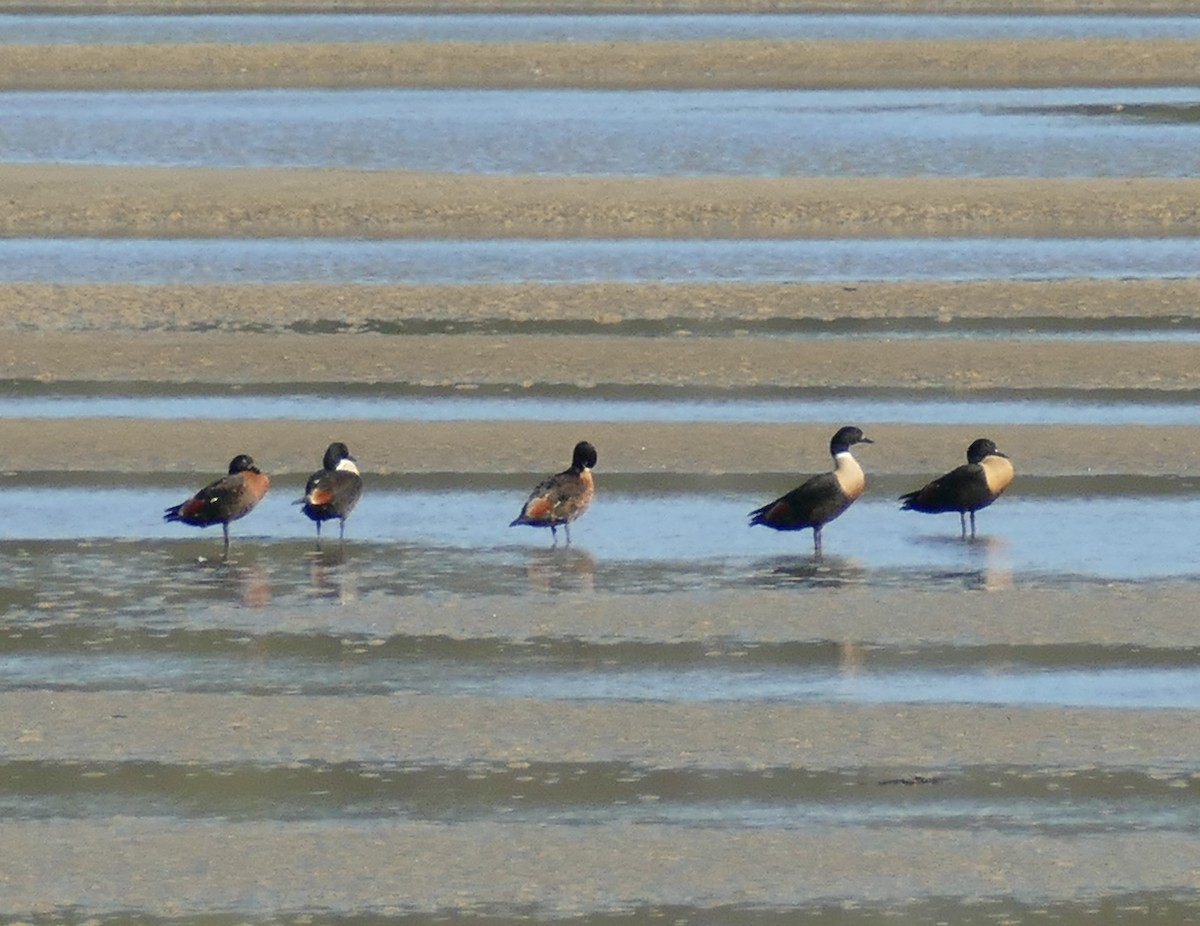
{"x": 67, "y": 200}
{"x": 245, "y": 335}
{"x": 538, "y": 341}
{"x": 637, "y": 65}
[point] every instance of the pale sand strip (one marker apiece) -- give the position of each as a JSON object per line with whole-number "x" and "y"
{"x": 449, "y": 361}
{"x": 134, "y": 308}
{"x": 709, "y": 64}
{"x": 71, "y": 200}
{"x": 398, "y": 868}
{"x": 204, "y": 447}
{"x": 135, "y": 726}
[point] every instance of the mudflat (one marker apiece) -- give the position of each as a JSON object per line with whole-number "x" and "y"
{"x": 623, "y": 65}
{"x": 537, "y": 341}
{"x": 66, "y": 200}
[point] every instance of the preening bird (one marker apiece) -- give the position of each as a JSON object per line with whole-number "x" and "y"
{"x": 333, "y": 490}
{"x": 560, "y": 499}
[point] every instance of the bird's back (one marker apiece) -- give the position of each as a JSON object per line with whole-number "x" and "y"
{"x": 817, "y": 500}
{"x": 227, "y": 499}
{"x": 964, "y": 488}
{"x": 331, "y": 494}
{"x": 559, "y": 499}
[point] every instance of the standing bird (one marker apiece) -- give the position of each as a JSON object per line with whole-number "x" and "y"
{"x": 967, "y": 488}
{"x": 822, "y": 497}
{"x": 229, "y": 498}
{"x": 332, "y": 491}
{"x": 562, "y": 498}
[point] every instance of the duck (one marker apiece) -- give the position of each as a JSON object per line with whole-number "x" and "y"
{"x": 559, "y": 499}
{"x": 333, "y": 490}
{"x": 231, "y": 497}
{"x": 820, "y": 498}
{"x": 965, "y": 489}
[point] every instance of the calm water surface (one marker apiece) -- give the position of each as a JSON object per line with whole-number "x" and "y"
{"x": 693, "y": 541}
{"x": 1044, "y": 408}
{"x": 98, "y": 596}
{"x": 1073, "y": 132}
{"x": 515, "y": 260}
{"x": 334, "y": 27}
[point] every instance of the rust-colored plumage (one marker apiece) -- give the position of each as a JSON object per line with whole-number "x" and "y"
{"x": 560, "y": 499}
{"x": 231, "y": 497}
{"x": 333, "y": 490}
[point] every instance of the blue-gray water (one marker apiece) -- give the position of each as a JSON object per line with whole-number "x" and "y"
{"x": 107, "y": 612}
{"x": 1053, "y": 132}
{"x": 334, "y": 27}
{"x": 513, "y": 260}
{"x": 347, "y": 407}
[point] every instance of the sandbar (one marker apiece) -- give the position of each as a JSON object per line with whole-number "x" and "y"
{"x": 175, "y": 202}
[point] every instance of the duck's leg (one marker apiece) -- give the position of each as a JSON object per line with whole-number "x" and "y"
{"x": 817, "y": 540}
{"x": 225, "y": 531}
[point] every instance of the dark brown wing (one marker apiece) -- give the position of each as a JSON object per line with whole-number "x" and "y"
{"x": 962, "y": 489}
{"x": 331, "y": 494}
{"x": 817, "y": 501}
{"x": 225, "y": 500}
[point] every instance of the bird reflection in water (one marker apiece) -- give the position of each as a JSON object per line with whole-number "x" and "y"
{"x": 561, "y": 569}
{"x": 248, "y": 581}
{"x": 995, "y": 573}
{"x": 987, "y": 567}
{"x": 330, "y": 578}
{"x": 815, "y": 571}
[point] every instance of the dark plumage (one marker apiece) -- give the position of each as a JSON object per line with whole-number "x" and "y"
{"x": 821, "y": 498}
{"x": 229, "y": 498}
{"x": 563, "y": 497}
{"x": 333, "y": 490}
{"x": 965, "y": 489}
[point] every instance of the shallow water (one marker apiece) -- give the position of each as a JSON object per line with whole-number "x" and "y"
{"x": 1051, "y": 132}
{"x": 467, "y": 27}
{"x": 100, "y": 595}
{"x": 188, "y": 741}
{"x": 666, "y": 260}
{"x": 101, "y": 599}
{"x": 1005, "y": 407}
{"x": 691, "y": 541}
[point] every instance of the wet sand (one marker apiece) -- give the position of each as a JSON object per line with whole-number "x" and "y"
{"x": 123, "y": 448}
{"x": 603, "y": 307}
{"x": 158, "y": 338}
{"x": 565, "y": 872}
{"x": 612, "y": 65}
{"x": 523, "y": 361}
{"x": 65, "y": 200}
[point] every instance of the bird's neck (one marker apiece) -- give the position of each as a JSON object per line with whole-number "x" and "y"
{"x": 998, "y": 471}
{"x": 849, "y": 474}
